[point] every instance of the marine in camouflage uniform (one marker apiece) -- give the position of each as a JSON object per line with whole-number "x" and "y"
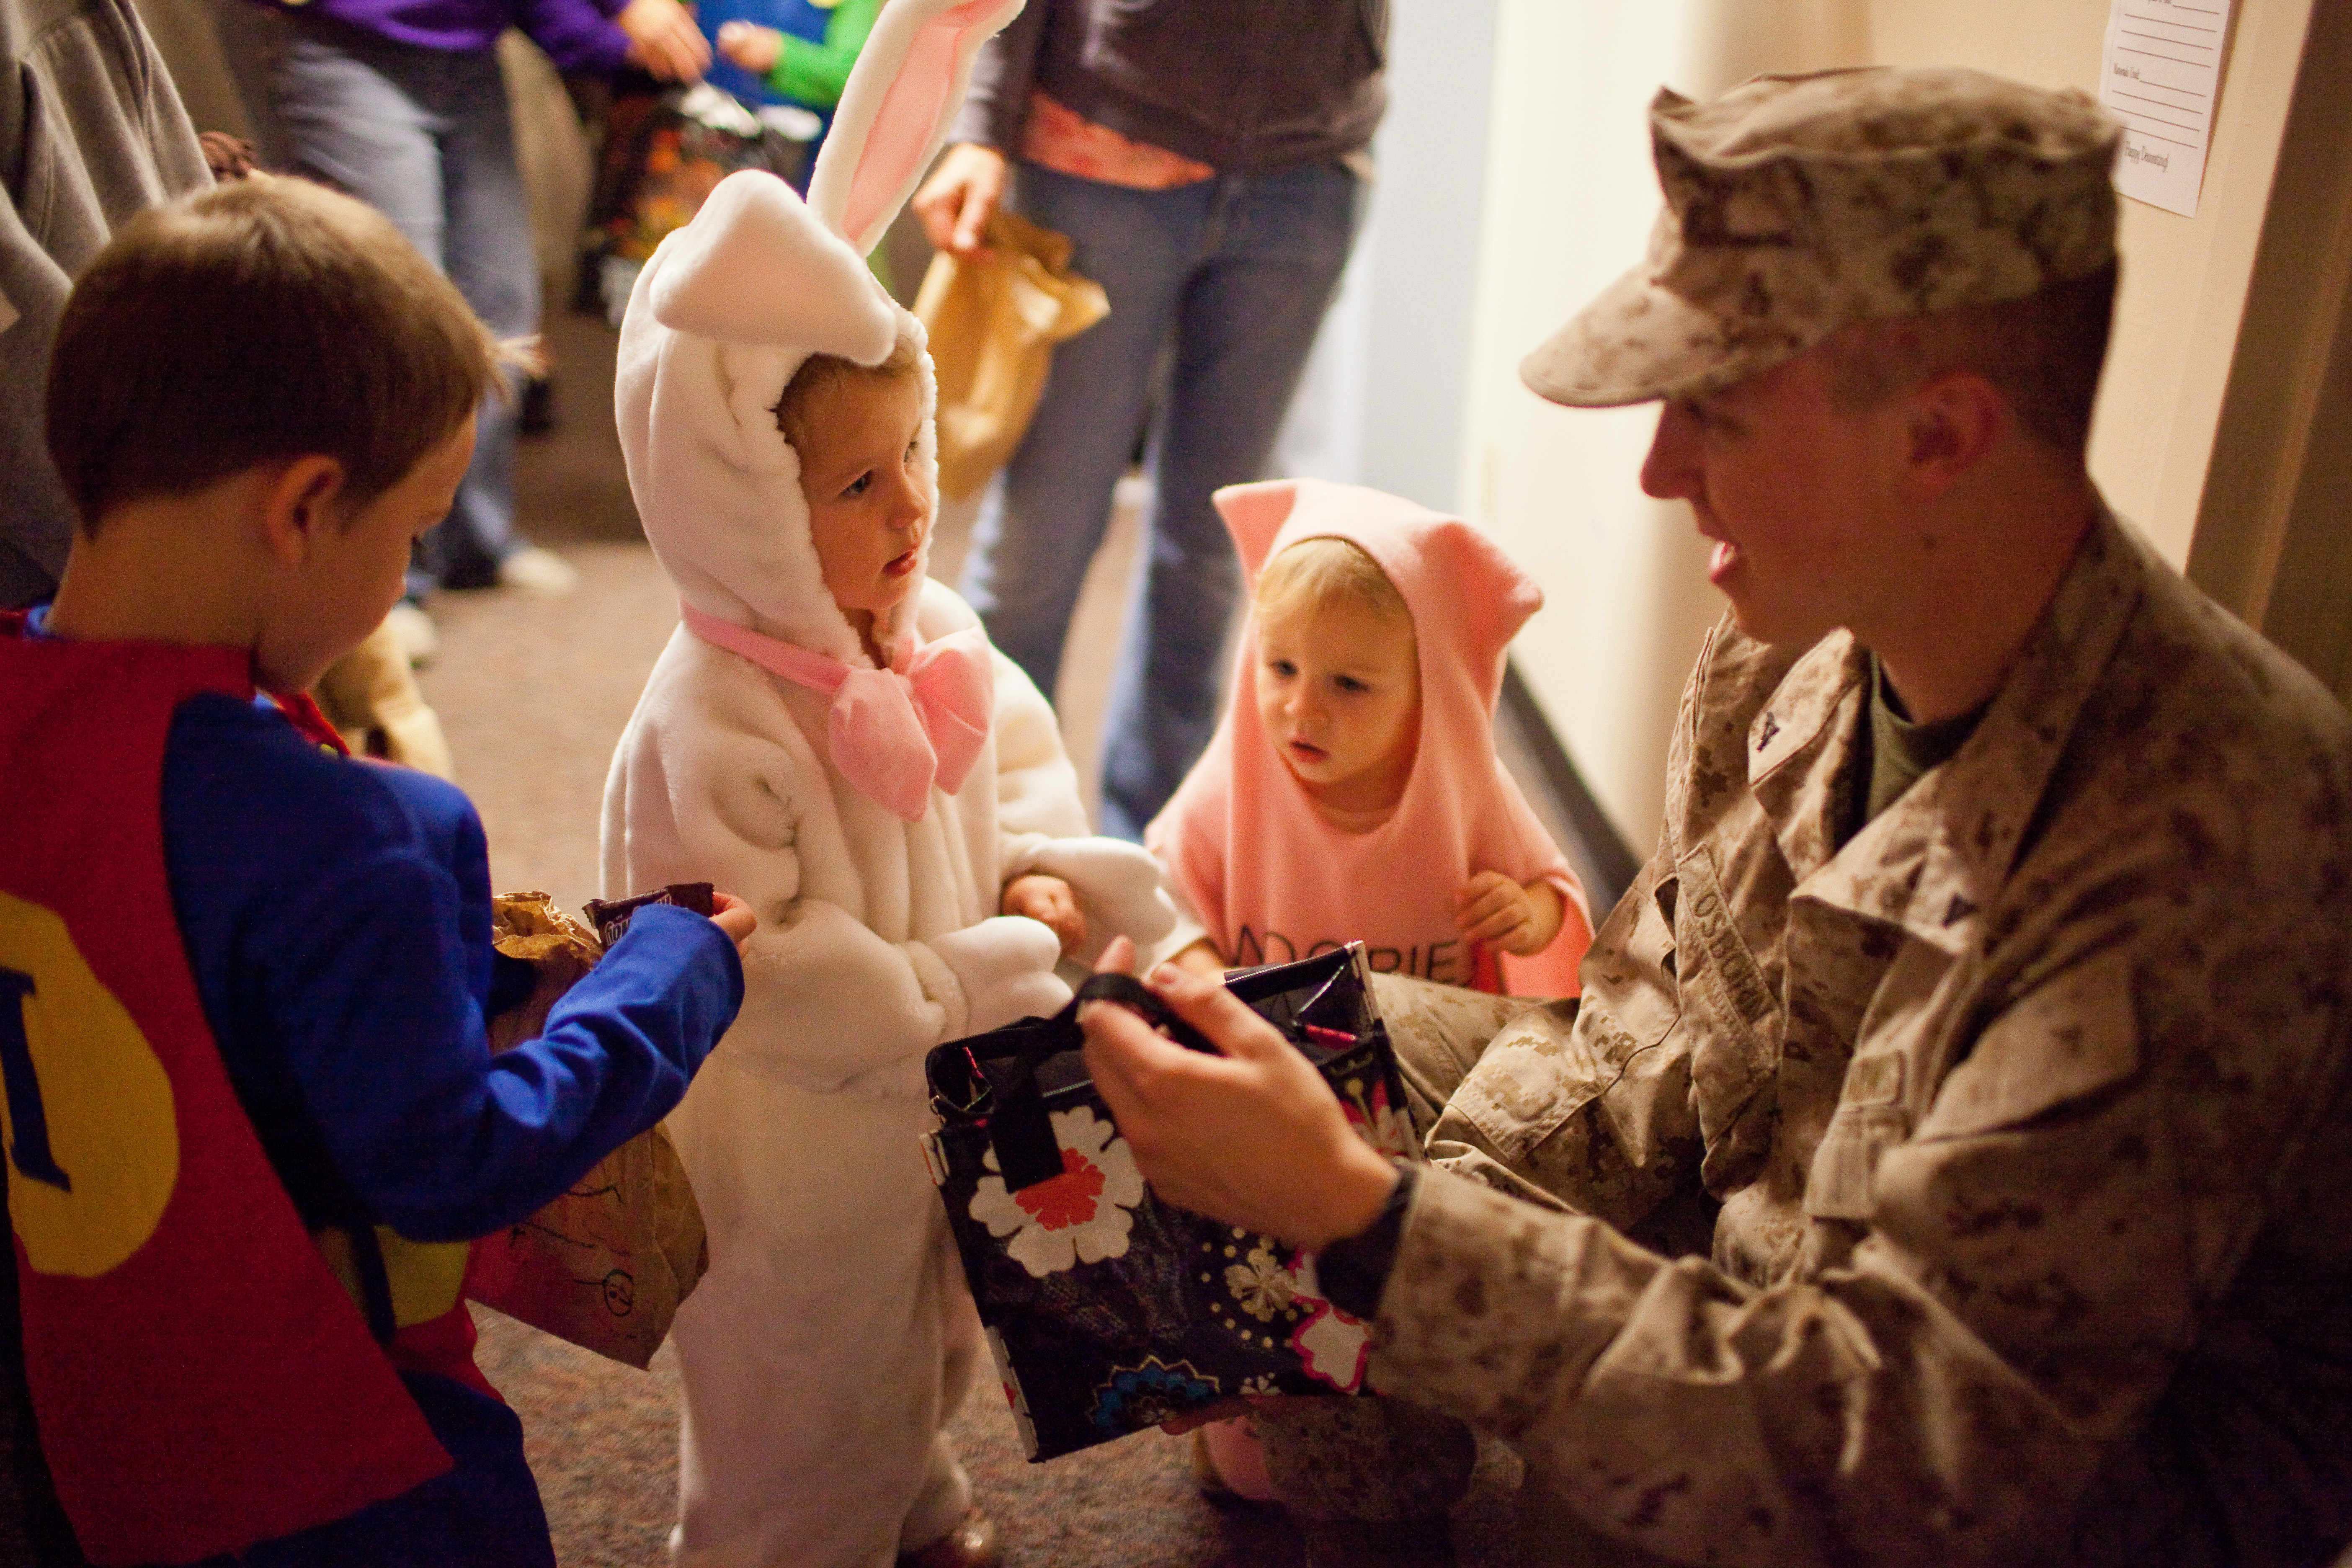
{"x": 2024, "y": 1110}
{"x": 1967, "y": 1187}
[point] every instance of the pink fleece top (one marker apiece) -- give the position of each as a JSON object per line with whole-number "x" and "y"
{"x": 1268, "y": 877}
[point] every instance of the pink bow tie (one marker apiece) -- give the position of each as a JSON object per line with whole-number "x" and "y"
{"x": 892, "y": 732}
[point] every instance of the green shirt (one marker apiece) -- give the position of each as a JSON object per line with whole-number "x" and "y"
{"x": 1894, "y": 749}
{"x": 815, "y": 74}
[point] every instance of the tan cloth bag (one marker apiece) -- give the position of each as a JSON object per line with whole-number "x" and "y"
{"x": 993, "y": 321}
{"x": 607, "y": 1265}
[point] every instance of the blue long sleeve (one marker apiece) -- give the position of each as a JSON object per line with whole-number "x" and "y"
{"x": 336, "y": 915}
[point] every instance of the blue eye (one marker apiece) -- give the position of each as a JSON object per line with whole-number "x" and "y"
{"x": 1282, "y": 667}
{"x": 1348, "y": 683}
{"x": 860, "y": 485}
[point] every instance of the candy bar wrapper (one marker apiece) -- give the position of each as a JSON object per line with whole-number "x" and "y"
{"x": 613, "y": 919}
{"x": 607, "y": 1265}
{"x": 1107, "y": 1310}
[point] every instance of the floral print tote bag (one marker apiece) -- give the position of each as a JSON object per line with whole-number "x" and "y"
{"x": 1107, "y": 1310}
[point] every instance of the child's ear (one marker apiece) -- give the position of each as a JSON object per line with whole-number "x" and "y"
{"x": 299, "y": 504}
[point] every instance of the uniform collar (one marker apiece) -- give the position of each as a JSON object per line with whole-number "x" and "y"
{"x": 1935, "y": 858}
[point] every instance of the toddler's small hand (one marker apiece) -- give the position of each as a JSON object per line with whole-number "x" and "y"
{"x": 1492, "y": 908}
{"x": 1049, "y": 902}
{"x": 750, "y": 46}
{"x": 1202, "y": 958}
{"x": 733, "y": 915}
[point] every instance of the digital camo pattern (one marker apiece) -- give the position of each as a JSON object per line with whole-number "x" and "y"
{"x": 1796, "y": 205}
{"x": 2026, "y": 1114}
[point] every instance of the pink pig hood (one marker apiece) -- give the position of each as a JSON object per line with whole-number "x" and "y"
{"x": 1265, "y": 874}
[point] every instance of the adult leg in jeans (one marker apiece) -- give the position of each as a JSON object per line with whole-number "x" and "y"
{"x": 423, "y": 136}
{"x": 487, "y": 252}
{"x": 1044, "y": 516}
{"x": 1275, "y": 248}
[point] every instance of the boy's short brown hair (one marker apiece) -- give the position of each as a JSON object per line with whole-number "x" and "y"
{"x": 272, "y": 318}
{"x": 819, "y": 373}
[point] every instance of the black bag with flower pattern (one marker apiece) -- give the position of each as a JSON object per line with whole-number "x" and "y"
{"x": 1107, "y": 1310}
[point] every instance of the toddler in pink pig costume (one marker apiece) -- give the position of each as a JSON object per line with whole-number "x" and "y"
{"x": 1351, "y": 792}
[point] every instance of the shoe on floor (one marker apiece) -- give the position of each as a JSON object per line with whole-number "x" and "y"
{"x": 418, "y": 639}
{"x": 532, "y": 570}
{"x": 971, "y": 1544}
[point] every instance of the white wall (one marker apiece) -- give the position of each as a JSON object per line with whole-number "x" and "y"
{"x": 1570, "y": 198}
{"x": 1384, "y": 396}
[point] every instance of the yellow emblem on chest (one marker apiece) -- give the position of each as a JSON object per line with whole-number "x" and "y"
{"x": 92, "y": 1142}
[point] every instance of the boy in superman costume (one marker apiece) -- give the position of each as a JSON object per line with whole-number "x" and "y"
{"x": 251, "y": 1111}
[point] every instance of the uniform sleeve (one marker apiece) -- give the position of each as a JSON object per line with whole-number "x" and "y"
{"x": 1591, "y": 1109}
{"x": 2035, "y": 1261}
{"x": 816, "y": 72}
{"x": 368, "y": 978}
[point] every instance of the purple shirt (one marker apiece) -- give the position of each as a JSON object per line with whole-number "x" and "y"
{"x": 578, "y": 34}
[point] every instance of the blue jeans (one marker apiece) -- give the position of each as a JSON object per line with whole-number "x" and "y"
{"x": 1232, "y": 276}
{"x": 423, "y": 136}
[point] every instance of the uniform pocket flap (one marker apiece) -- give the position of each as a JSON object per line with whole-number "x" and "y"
{"x": 2065, "y": 1041}
{"x": 1534, "y": 1075}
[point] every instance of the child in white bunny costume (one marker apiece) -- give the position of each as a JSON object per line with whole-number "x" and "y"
{"x": 852, "y": 780}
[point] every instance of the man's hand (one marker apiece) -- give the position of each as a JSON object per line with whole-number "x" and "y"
{"x": 664, "y": 40}
{"x": 1049, "y": 902}
{"x": 955, "y": 203}
{"x": 1519, "y": 919}
{"x": 733, "y": 915}
{"x": 1251, "y": 1138}
{"x": 750, "y": 46}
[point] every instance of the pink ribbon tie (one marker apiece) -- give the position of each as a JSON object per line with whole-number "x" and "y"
{"x": 892, "y": 732}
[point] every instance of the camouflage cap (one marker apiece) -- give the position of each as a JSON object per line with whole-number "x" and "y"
{"x": 1798, "y": 205}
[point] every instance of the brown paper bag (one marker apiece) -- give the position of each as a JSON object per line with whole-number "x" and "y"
{"x": 605, "y": 1265}
{"x": 993, "y": 321}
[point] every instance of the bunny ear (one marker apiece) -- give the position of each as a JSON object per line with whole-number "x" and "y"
{"x": 902, "y": 94}
{"x": 755, "y": 266}
{"x": 1253, "y": 514}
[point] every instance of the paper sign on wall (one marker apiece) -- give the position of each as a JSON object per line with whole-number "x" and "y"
{"x": 2162, "y": 78}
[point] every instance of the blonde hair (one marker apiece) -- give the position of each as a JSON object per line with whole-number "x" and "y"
{"x": 819, "y": 374}
{"x": 1324, "y": 570}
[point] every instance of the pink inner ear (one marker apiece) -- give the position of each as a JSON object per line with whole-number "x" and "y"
{"x": 909, "y": 118}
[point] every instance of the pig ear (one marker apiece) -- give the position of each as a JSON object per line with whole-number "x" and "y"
{"x": 1492, "y": 593}
{"x": 755, "y": 266}
{"x": 1253, "y": 514}
{"x": 902, "y": 95}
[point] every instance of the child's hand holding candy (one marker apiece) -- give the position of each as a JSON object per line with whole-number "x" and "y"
{"x": 1520, "y": 919}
